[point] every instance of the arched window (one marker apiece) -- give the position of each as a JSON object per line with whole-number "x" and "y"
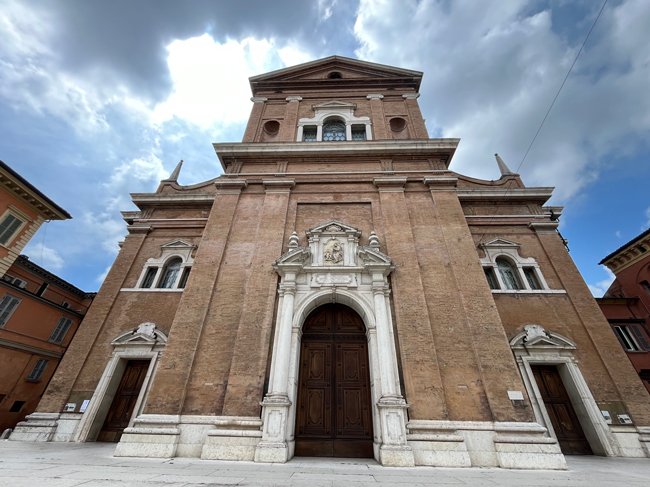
{"x": 333, "y": 130}
{"x": 170, "y": 273}
{"x": 509, "y": 274}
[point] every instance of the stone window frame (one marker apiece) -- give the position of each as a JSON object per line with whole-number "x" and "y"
{"x": 37, "y": 371}
{"x": 60, "y": 330}
{"x": 176, "y": 249}
{"x": 8, "y": 301}
{"x": 334, "y": 109}
{"x": 505, "y": 249}
{"x": 13, "y": 212}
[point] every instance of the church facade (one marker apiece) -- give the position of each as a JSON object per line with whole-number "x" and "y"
{"x": 339, "y": 291}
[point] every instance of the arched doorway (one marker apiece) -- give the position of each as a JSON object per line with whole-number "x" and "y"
{"x": 334, "y": 416}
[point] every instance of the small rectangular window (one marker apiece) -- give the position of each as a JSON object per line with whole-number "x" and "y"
{"x": 358, "y": 132}
{"x": 8, "y": 227}
{"x": 531, "y": 277}
{"x": 7, "y": 306}
{"x": 16, "y": 406}
{"x": 149, "y": 277}
{"x": 491, "y": 278}
{"x": 38, "y": 369}
{"x": 61, "y": 329}
{"x": 184, "y": 277}
{"x": 309, "y": 133}
{"x": 625, "y": 337}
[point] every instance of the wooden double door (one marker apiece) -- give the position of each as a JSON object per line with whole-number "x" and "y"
{"x": 119, "y": 414}
{"x": 334, "y": 413}
{"x": 563, "y": 417}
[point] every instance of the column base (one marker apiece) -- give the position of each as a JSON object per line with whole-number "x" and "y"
{"x": 152, "y": 435}
{"x": 234, "y": 438}
{"x": 36, "y": 427}
{"x": 274, "y": 447}
{"x": 396, "y": 456}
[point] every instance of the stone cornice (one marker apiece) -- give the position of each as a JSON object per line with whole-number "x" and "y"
{"x": 629, "y": 254}
{"x": 541, "y": 194}
{"x": 228, "y": 152}
{"x": 23, "y": 189}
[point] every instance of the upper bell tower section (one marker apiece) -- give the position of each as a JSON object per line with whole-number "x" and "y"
{"x": 335, "y": 99}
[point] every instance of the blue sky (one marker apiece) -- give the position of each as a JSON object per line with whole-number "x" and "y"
{"x": 99, "y": 99}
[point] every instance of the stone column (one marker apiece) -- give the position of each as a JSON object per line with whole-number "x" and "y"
{"x": 377, "y": 116}
{"x": 288, "y": 130}
{"x": 394, "y": 450}
{"x": 275, "y": 407}
{"x": 250, "y": 356}
{"x": 254, "y": 119}
{"x": 422, "y": 382}
{"x": 415, "y": 116}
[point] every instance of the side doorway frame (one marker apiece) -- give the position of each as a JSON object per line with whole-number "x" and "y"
{"x": 537, "y": 346}
{"x": 144, "y": 342}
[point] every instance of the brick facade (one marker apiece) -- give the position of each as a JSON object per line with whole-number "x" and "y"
{"x": 233, "y": 331}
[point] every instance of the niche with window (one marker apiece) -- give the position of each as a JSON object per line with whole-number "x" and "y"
{"x": 507, "y": 271}
{"x": 170, "y": 270}
{"x": 334, "y": 121}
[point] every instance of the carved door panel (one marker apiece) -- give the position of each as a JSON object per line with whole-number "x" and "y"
{"x": 334, "y": 414}
{"x": 119, "y": 414}
{"x": 559, "y": 408}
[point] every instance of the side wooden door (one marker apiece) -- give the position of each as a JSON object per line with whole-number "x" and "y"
{"x": 334, "y": 413}
{"x": 119, "y": 414}
{"x": 565, "y": 422}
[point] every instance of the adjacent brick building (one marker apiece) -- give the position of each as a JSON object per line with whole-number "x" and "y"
{"x": 39, "y": 315}
{"x": 39, "y": 312}
{"x": 340, "y": 291}
{"x": 626, "y": 304}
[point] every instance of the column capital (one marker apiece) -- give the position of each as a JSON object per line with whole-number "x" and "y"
{"x": 374, "y": 96}
{"x": 390, "y": 184}
{"x": 411, "y": 96}
{"x": 543, "y": 227}
{"x": 293, "y": 98}
{"x": 258, "y": 99}
{"x": 278, "y": 185}
{"x": 440, "y": 182}
{"x": 230, "y": 186}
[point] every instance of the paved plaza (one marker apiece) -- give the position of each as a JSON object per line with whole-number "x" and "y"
{"x": 92, "y": 464}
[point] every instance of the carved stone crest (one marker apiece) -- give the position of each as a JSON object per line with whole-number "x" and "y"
{"x": 333, "y": 252}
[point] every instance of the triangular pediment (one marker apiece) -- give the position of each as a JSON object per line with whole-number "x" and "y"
{"x": 336, "y": 69}
{"x": 333, "y": 227}
{"x": 334, "y": 104}
{"x": 500, "y": 242}
{"x": 176, "y": 244}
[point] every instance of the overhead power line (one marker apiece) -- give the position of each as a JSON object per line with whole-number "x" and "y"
{"x": 561, "y": 86}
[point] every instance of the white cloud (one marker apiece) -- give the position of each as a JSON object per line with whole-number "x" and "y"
{"x": 45, "y": 256}
{"x": 599, "y": 288}
{"x": 490, "y": 75}
{"x": 325, "y": 9}
{"x": 210, "y": 79}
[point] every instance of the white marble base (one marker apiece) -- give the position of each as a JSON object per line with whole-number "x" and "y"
{"x": 66, "y": 426}
{"x": 36, "y": 427}
{"x": 234, "y": 438}
{"x": 152, "y": 435}
{"x": 483, "y": 444}
{"x": 396, "y": 456}
{"x": 631, "y": 441}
